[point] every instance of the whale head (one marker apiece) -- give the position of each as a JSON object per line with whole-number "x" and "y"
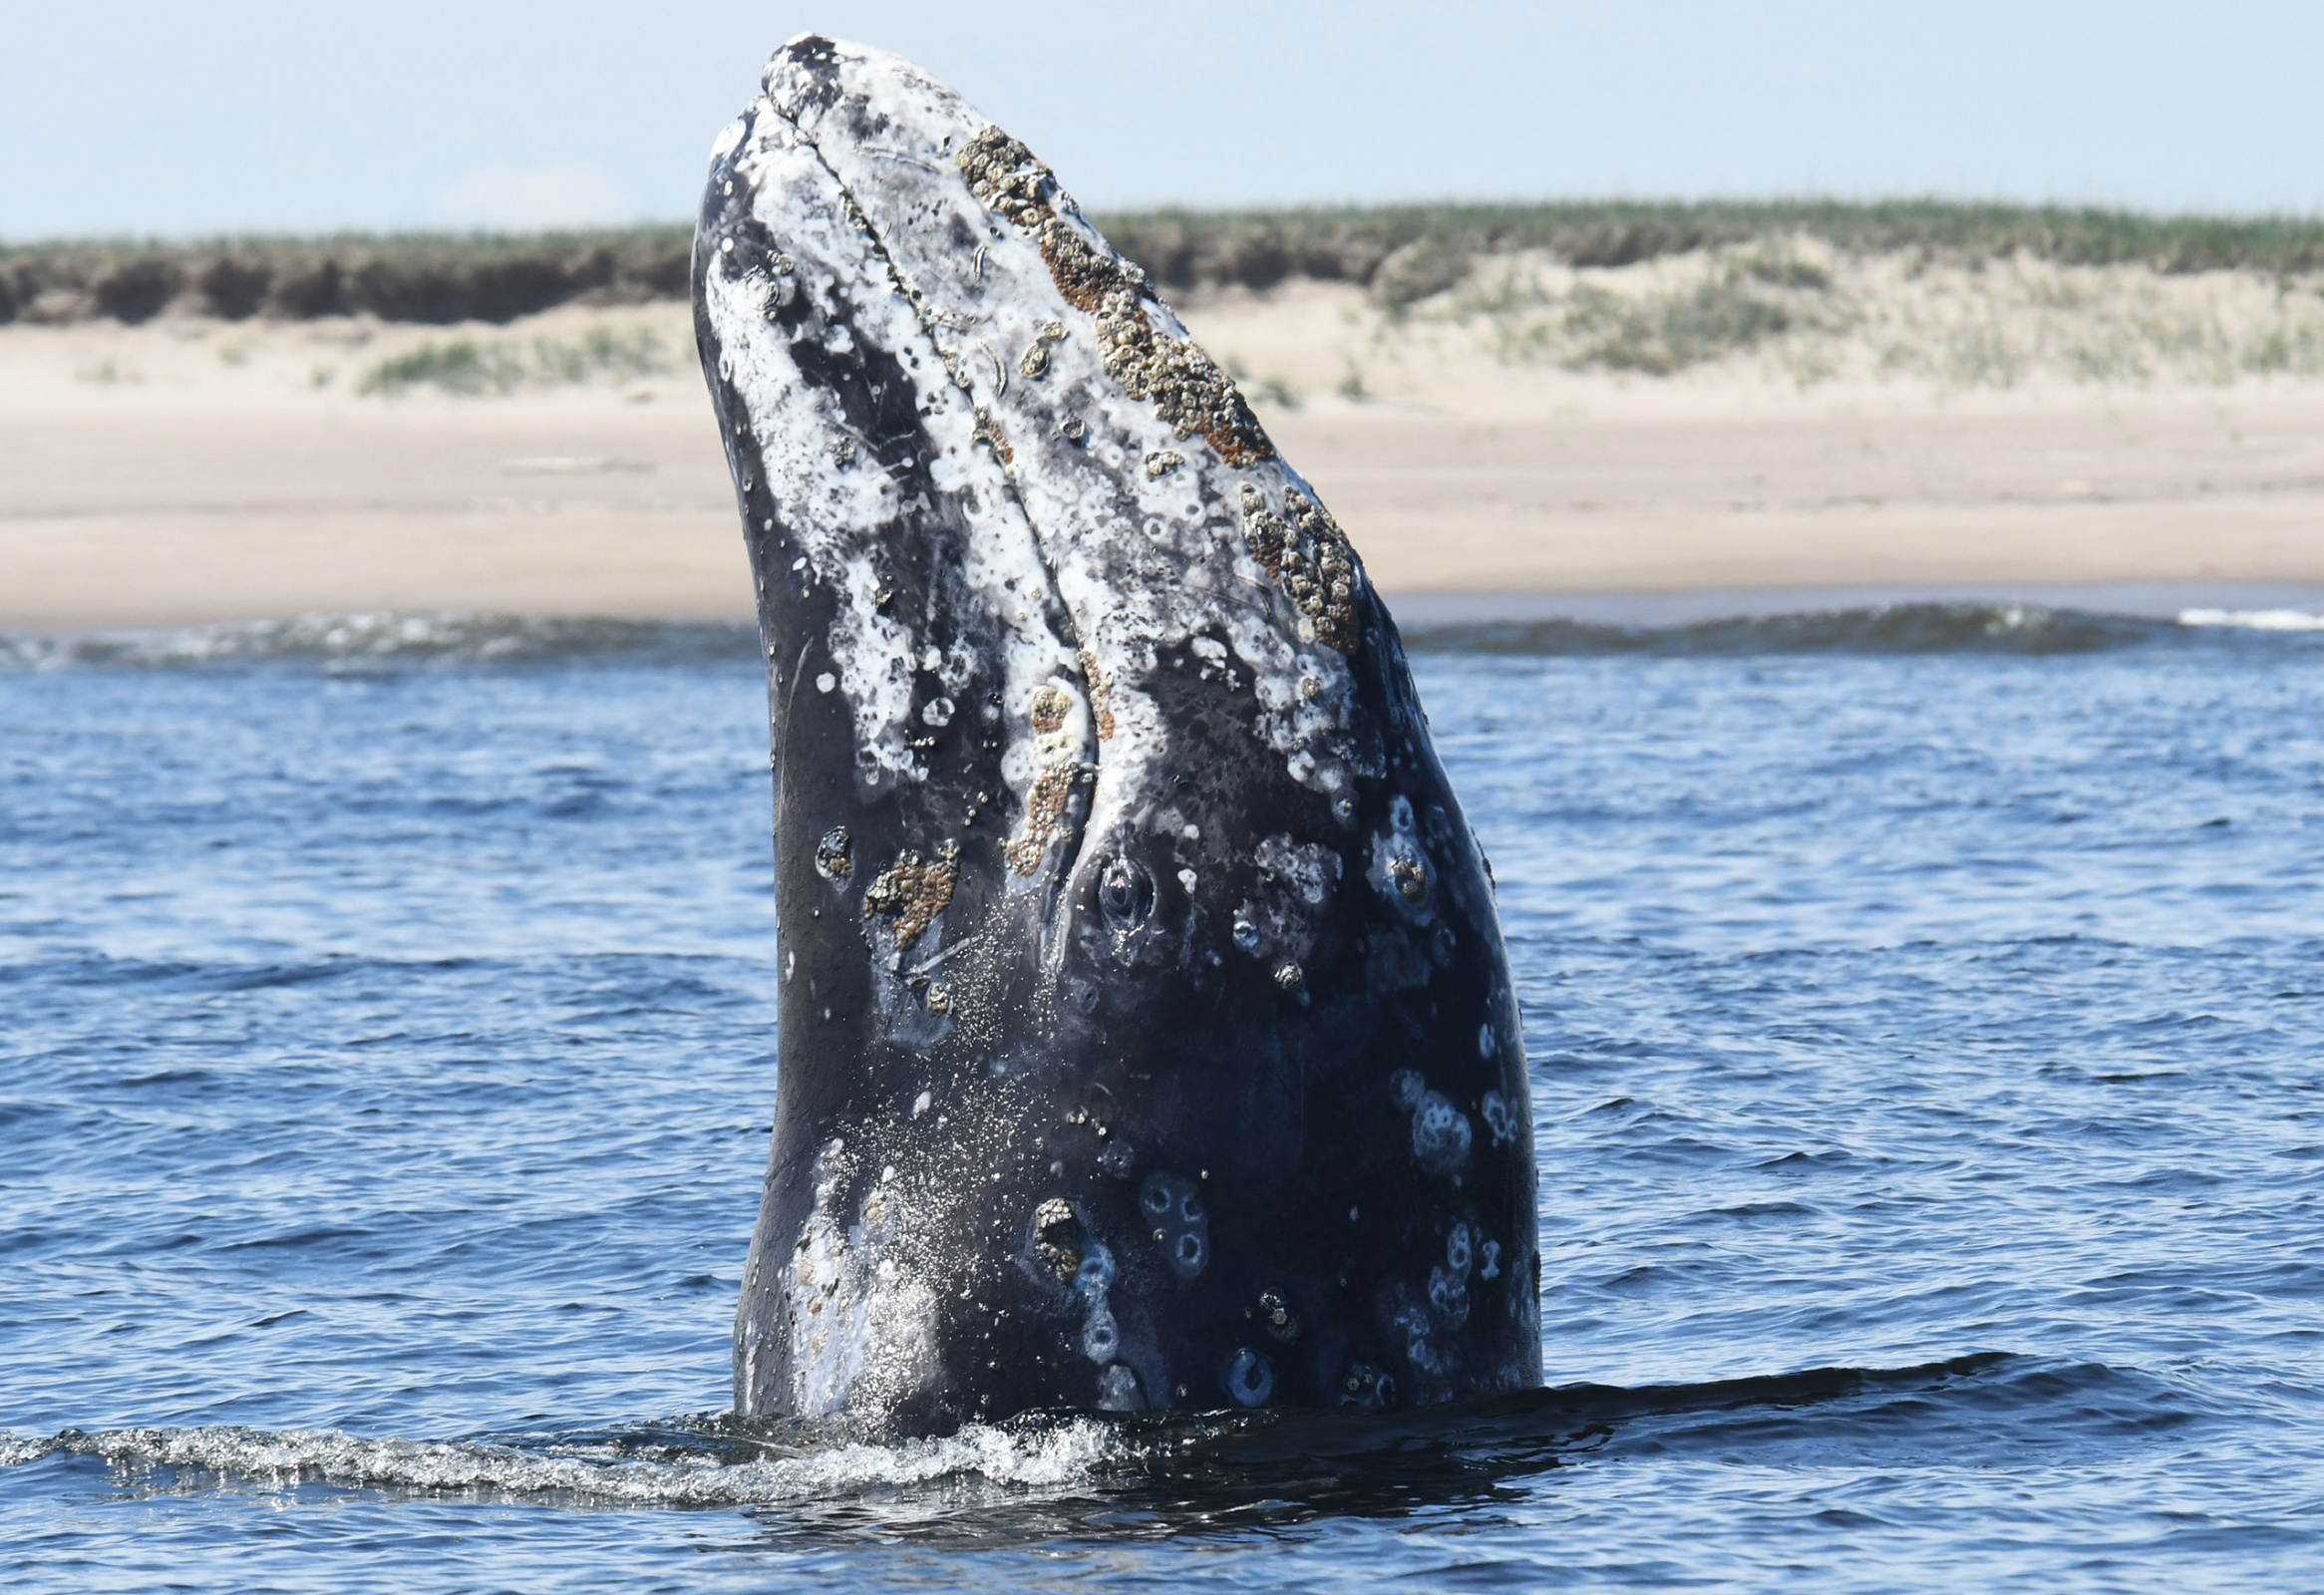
{"x": 1145, "y": 1034}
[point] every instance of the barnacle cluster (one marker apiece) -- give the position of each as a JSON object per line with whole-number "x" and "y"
{"x": 1045, "y": 811}
{"x": 1003, "y": 174}
{"x": 1034, "y": 362}
{"x": 988, "y": 432}
{"x": 1056, "y": 1236}
{"x": 1047, "y": 802}
{"x": 1087, "y": 278}
{"x": 1411, "y": 881}
{"x": 913, "y": 893}
{"x": 1100, "y": 695}
{"x": 1189, "y": 391}
{"x": 1308, "y": 555}
{"x": 1051, "y": 704}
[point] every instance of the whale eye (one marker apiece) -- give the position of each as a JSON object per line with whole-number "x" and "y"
{"x": 1126, "y": 894}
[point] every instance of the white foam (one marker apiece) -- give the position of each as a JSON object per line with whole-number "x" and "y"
{"x": 1040, "y": 1461}
{"x": 2253, "y": 619}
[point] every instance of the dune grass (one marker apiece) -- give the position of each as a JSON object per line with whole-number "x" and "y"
{"x": 1810, "y": 311}
{"x": 1967, "y": 294}
{"x": 1408, "y": 252}
{"x": 1403, "y": 253}
{"x": 415, "y": 277}
{"x": 473, "y": 367}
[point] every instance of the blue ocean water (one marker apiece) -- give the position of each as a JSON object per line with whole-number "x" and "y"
{"x": 1925, "y": 1009}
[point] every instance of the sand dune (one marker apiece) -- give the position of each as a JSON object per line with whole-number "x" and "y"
{"x": 190, "y": 470}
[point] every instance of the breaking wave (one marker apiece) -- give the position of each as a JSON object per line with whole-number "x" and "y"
{"x": 390, "y": 642}
{"x": 1281, "y": 1462}
{"x": 1897, "y": 628}
{"x": 690, "y": 1463}
{"x": 386, "y": 641}
{"x": 2253, "y": 619}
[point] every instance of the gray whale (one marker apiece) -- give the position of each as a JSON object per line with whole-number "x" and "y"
{"x": 1145, "y": 1034}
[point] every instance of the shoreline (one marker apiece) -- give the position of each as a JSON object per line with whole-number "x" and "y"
{"x": 2259, "y": 607}
{"x": 2253, "y": 605}
{"x": 1694, "y": 606}
{"x": 195, "y": 472}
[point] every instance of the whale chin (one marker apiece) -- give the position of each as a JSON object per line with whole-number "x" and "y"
{"x": 1145, "y": 1034}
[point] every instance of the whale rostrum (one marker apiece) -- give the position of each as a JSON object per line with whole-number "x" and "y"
{"x": 1145, "y": 1036}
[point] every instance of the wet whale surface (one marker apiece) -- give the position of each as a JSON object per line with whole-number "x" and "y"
{"x": 1148, "y": 1039}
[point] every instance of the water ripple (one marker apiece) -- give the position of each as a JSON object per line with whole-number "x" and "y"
{"x": 388, "y": 1070}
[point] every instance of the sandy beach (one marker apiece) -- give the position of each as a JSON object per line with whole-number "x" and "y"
{"x": 191, "y": 471}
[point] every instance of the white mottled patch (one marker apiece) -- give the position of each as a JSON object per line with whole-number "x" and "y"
{"x": 875, "y": 667}
{"x": 1398, "y": 858}
{"x": 1494, "y": 1109}
{"x": 1309, "y": 868}
{"x": 1132, "y": 553}
{"x": 1440, "y": 1134}
{"x": 840, "y": 509}
{"x": 1118, "y": 1390}
{"x": 861, "y": 1328}
{"x": 728, "y": 136}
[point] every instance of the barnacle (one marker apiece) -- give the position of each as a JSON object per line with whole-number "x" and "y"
{"x": 1189, "y": 391}
{"x": 1310, "y": 560}
{"x": 913, "y": 893}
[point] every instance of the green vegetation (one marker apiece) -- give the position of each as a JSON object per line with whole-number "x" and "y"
{"x": 1974, "y": 295}
{"x": 1813, "y": 313}
{"x": 424, "y": 277}
{"x": 1660, "y": 325}
{"x": 1403, "y": 253}
{"x": 470, "y": 365}
{"x": 1408, "y": 252}
{"x": 463, "y": 366}
{"x": 1669, "y": 332}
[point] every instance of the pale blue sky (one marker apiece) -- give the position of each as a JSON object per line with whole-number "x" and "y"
{"x": 179, "y": 118}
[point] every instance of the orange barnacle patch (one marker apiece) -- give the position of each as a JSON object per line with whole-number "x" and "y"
{"x": 1050, "y": 707}
{"x": 988, "y": 432}
{"x": 1100, "y": 695}
{"x": 1189, "y": 391}
{"x": 1045, "y": 812}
